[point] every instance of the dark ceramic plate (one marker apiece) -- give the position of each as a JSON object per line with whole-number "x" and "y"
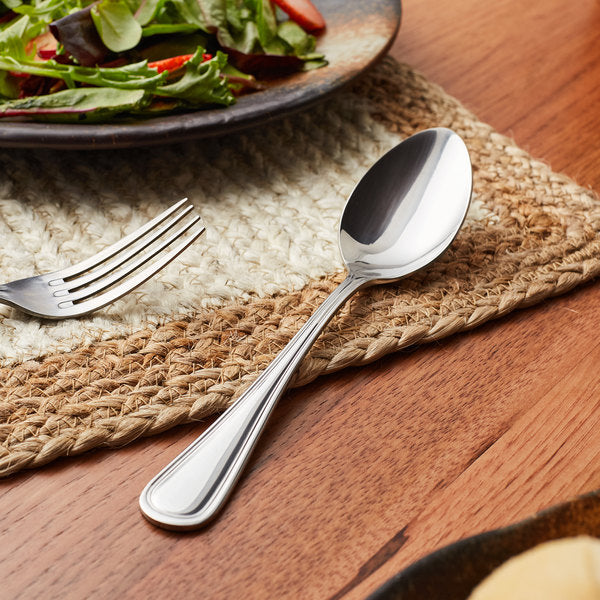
{"x": 358, "y": 33}
{"x": 452, "y": 572}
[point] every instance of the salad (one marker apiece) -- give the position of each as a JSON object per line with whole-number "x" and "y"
{"x": 81, "y": 61}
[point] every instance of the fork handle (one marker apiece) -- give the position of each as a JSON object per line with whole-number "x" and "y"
{"x": 191, "y": 489}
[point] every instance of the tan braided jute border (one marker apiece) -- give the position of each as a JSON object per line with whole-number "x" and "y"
{"x": 542, "y": 239}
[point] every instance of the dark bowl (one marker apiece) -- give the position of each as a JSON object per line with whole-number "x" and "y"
{"x": 451, "y": 573}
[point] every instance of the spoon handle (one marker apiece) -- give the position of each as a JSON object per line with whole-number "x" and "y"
{"x": 191, "y": 489}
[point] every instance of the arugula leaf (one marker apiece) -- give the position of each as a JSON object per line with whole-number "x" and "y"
{"x": 129, "y": 77}
{"x": 201, "y": 82}
{"x": 239, "y": 81}
{"x": 116, "y": 25}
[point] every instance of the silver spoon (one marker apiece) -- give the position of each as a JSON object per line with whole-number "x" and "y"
{"x": 401, "y": 216}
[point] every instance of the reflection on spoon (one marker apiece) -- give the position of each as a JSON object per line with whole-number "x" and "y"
{"x": 402, "y": 215}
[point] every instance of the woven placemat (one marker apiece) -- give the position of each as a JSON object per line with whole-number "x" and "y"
{"x": 143, "y": 366}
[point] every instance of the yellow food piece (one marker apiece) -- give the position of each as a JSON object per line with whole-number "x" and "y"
{"x": 563, "y": 569}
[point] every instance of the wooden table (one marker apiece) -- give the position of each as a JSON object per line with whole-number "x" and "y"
{"x": 363, "y": 472}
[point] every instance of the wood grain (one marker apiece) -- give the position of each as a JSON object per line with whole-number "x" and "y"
{"x": 363, "y": 472}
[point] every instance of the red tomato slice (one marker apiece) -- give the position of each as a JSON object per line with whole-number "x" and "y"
{"x": 174, "y": 63}
{"x": 170, "y": 64}
{"x": 303, "y": 12}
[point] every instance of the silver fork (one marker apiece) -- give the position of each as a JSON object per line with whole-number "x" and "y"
{"x": 110, "y": 274}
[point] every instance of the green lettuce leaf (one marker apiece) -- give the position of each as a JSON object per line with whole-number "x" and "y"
{"x": 251, "y": 28}
{"x": 11, "y": 4}
{"x": 45, "y": 10}
{"x": 148, "y": 10}
{"x": 12, "y": 36}
{"x": 296, "y": 38}
{"x": 8, "y": 86}
{"x": 116, "y": 25}
{"x": 266, "y": 22}
{"x": 214, "y": 13}
{"x": 173, "y": 16}
{"x": 77, "y": 104}
{"x": 168, "y": 28}
{"x": 248, "y": 30}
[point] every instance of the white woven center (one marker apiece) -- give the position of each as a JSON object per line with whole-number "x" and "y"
{"x": 271, "y": 199}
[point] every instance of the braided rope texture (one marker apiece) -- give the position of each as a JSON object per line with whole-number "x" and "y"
{"x": 540, "y": 238}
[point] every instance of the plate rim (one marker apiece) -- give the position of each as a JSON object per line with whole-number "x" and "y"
{"x": 163, "y": 130}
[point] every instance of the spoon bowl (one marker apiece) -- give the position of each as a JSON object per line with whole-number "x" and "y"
{"x": 408, "y": 207}
{"x": 401, "y": 216}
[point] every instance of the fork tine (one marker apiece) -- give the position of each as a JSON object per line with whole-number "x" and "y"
{"x": 100, "y": 257}
{"x": 123, "y": 256}
{"x": 117, "y": 275}
{"x": 81, "y": 308}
